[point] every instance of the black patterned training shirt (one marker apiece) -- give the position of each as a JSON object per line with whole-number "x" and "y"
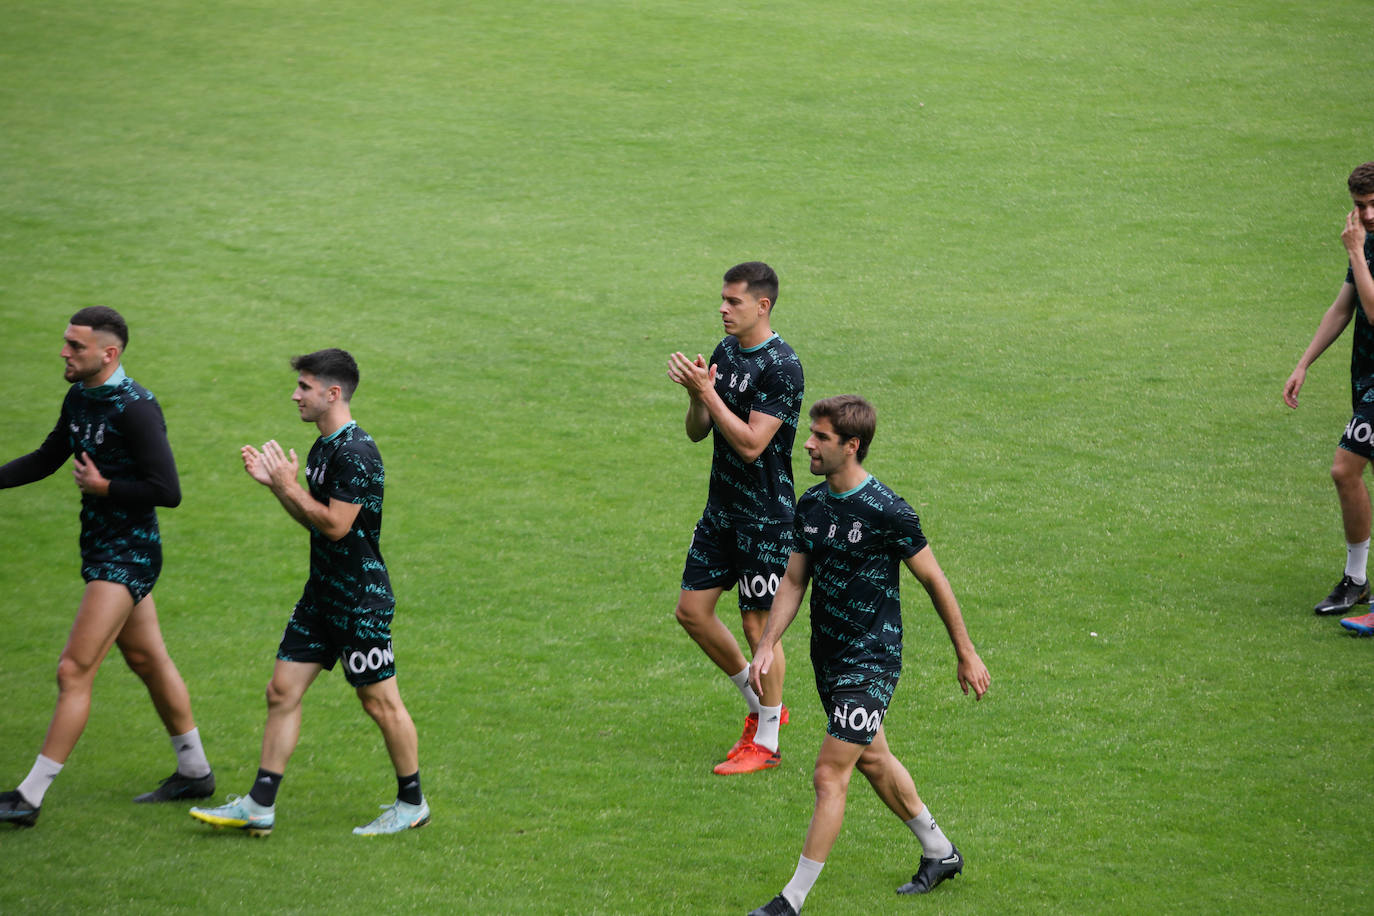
{"x": 766, "y": 378}
{"x": 348, "y": 575}
{"x": 856, "y": 542}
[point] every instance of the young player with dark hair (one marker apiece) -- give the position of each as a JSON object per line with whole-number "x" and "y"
{"x": 345, "y": 612}
{"x": 124, "y": 468}
{"x": 851, "y": 534}
{"x": 1356, "y": 446}
{"x": 749, "y": 398}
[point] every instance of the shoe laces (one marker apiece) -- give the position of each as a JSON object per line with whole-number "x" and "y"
{"x": 239, "y": 802}
{"x": 390, "y": 814}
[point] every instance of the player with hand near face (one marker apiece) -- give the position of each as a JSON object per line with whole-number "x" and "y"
{"x": 1354, "y": 301}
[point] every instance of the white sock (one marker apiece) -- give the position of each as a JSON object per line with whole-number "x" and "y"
{"x": 190, "y": 755}
{"x": 1357, "y": 560}
{"x": 35, "y": 785}
{"x": 770, "y": 717}
{"x": 802, "y": 881}
{"x": 741, "y": 681}
{"x": 933, "y": 840}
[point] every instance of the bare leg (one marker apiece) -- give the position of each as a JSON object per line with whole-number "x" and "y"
{"x": 1347, "y": 472}
{"x": 104, "y": 609}
{"x": 754, "y": 622}
{"x": 382, "y": 701}
{"x": 289, "y": 682}
{"x": 146, "y": 654}
{"x": 696, "y": 611}
{"x": 834, "y": 767}
{"x": 889, "y": 778}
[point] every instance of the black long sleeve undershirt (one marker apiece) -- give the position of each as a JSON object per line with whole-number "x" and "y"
{"x": 146, "y": 440}
{"x": 145, "y": 437}
{"x": 39, "y": 463}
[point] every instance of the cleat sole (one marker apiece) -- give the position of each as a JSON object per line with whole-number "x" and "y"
{"x": 221, "y": 823}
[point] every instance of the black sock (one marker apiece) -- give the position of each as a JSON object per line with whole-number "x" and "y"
{"x": 265, "y": 788}
{"x": 408, "y": 789}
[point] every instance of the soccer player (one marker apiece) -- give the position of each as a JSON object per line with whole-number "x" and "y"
{"x": 749, "y": 398}
{"x": 1356, "y": 446}
{"x": 124, "y": 468}
{"x": 345, "y": 611}
{"x": 851, "y": 533}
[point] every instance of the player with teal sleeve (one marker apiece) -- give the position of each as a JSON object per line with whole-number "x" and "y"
{"x": 852, "y": 534}
{"x": 344, "y": 613}
{"x": 114, "y": 429}
{"x": 748, "y": 397}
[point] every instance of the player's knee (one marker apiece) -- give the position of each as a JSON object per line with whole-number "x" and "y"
{"x": 1345, "y": 475}
{"x": 381, "y": 708}
{"x": 72, "y": 674}
{"x": 139, "y": 662}
{"x": 830, "y": 781}
{"x": 278, "y": 696}
{"x": 753, "y": 624}
{"x": 874, "y": 765}
{"x": 689, "y": 617}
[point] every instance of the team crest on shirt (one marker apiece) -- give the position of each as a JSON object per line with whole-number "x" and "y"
{"x": 855, "y": 534}
{"x": 98, "y": 437}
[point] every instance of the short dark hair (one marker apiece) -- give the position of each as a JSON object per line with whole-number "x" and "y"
{"x": 1361, "y": 181}
{"x": 335, "y": 366}
{"x": 103, "y": 318}
{"x": 851, "y": 416}
{"x": 760, "y": 279}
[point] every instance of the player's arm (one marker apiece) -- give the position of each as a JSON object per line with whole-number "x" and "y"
{"x": 1354, "y": 237}
{"x": 698, "y": 416}
{"x": 706, "y": 410}
{"x": 683, "y": 371}
{"x": 786, "y": 602}
{"x": 1337, "y": 316}
{"x": 972, "y": 672}
{"x": 157, "y": 483}
{"x": 279, "y": 472}
{"x": 748, "y": 438}
{"x": 698, "y": 421}
{"x": 41, "y": 462}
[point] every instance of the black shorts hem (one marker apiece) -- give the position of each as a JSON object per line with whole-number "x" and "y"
{"x": 138, "y": 588}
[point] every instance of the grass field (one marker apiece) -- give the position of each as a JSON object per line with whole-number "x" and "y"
{"x": 1070, "y": 250}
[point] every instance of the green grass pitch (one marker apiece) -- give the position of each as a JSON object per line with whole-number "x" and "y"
{"x": 1070, "y": 250}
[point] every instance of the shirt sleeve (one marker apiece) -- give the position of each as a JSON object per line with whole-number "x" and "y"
{"x": 351, "y": 478}
{"x": 779, "y": 391}
{"x": 801, "y": 541}
{"x": 42, "y": 461}
{"x": 907, "y": 539}
{"x": 146, "y": 439}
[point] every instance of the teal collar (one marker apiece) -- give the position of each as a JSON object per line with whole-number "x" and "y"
{"x": 335, "y": 433}
{"x": 759, "y": 345}
{"x": 850, "y": 492}
{"x": 116, "y": 379}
